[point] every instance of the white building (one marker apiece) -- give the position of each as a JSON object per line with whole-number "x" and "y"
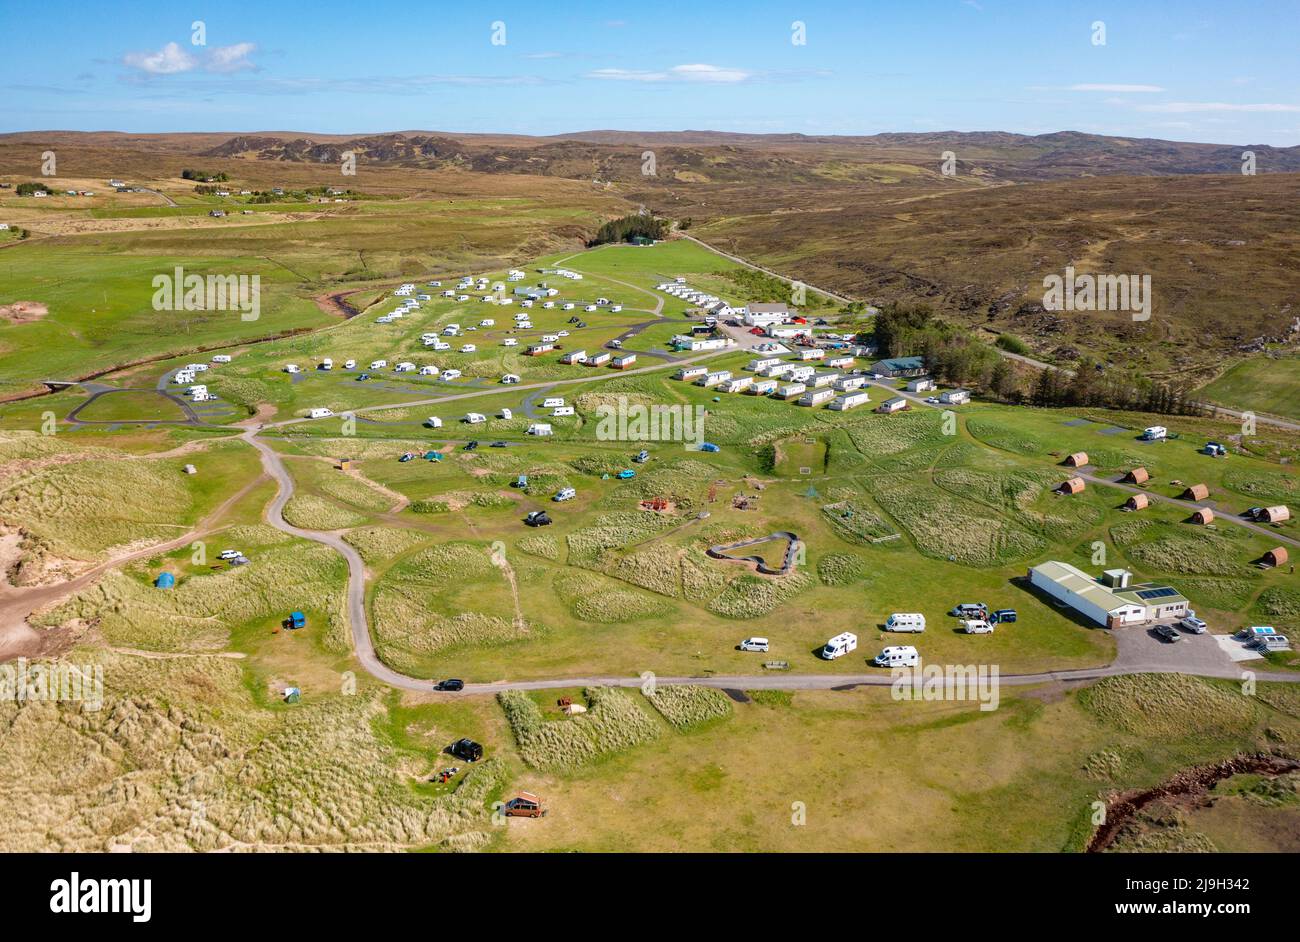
{"x": 1111, "y": 601}
{"x": 762, "y": 315}
{"x": 849, "y": 400}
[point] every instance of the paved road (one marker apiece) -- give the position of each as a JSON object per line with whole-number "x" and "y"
{"x": 767, "y": 271}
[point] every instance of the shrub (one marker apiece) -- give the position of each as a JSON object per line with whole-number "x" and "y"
{"x": 686, "y": 706}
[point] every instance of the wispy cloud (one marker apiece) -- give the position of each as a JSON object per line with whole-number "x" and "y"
{"x": 697, "y": 72}
{"x": 1189, "y": 107}
{"x": 974, "y": 5}
{"x": 1111, "y": 87}
{"x": 174, "y": 59}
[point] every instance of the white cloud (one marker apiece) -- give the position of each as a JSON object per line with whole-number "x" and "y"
{"x": 697, "y": 72}
{"x": 168, "y": 60}
{"x": 173, "y": 59}
{"x": 230, "y": 58}
{"x": 1092, "y": 87}
{"x": 1188, "y": 107}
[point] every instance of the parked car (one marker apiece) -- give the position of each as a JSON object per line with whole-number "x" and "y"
{"x": 499, "y": 444}
{"x": 977, "y": 626}
{"x": 467, "y": 749}
{"x": 361, "y": 378}
{"x": 970, "y": 610}
{"x": 229, "y": 554}
{"x": 524, "y": 805}
{"x": 1002, "y": 616}
{"x": 453, "y": 684}
{"x": 538, "y": 518}
{"x": 1167, "y": 633}
{"x": 1193, "y": 625}
{"x": 470, "y": 446}
{"x": 754, "y": 644}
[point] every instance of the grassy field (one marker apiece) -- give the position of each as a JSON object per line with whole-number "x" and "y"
{"x": 1266, "y": 385}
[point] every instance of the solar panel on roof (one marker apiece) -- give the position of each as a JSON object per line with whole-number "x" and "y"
{"x": 1162, "y": 593}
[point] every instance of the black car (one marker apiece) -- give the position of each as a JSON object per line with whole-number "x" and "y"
{"x": 1167, "y": 633}
{"x": 470, "y": 446}
{"x": 363, "y": 377}
{"x": 451, "y": 685}
{"x": 538, "y": 518}
{"x": 466, "y": 749}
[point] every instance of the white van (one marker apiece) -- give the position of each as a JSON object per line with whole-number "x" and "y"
{"x": 561, "y": 412}
{"x": 552, "y": 402}
{"x": 840, "y": 645}
{"x": 510, "y": 342}
{"x": 320, "y": 414}
{"x": 905, "y": 621}
{"x": 902, "y": 655}
{"x": 1156, "y": 433}
{"x": 292, "y": 368}
{"x": 349, "y": 364}
{"x": 327, "y": 364}
{"x": 754, "y": 644}
{"x": 565, "y": 493}
{"x": 976, "y": 626}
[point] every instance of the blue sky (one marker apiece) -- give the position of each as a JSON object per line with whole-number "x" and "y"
{"x": 1190, "y": 70}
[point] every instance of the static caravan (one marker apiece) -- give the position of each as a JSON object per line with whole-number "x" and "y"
{"x": 818, "y": 380}
{"x": 791, "y": 391}
{"x": 840, "y": 363}
{"x": 739, "y": 384}
{"x": 599, "y": 359}
{"x": 920, "y": 384}
{"x": 574, "y": 356}
{"x": 847, "y": 383}
{"x": 955, "y": 397}
{"x": 539, "y": 428}
{"x": 763, "y": 387}
{"x": 690, "y": 372}
{"x": 433, "y": 422}
{"x": 561, "y": 412}
{"x": 715, "y": 378}
{"x": 319, "y": 414}
{"x": 815, "y": 397}
{"x": 474, "y": 418}
{"x": 801, "y": 374}
{"x": 850, "y": 400}
{"x": 812, "y": 353}
{"x": 552, "y": 402}
{"x": 623, "y": 361}
{"x": 897, "y": 404}
{"x": 777, "y": 370}
{"x": 762, "y": 363}
{"x": 537, "y": 349}
{"x": 221, "y": 358}
{"x": 840, "y": 645}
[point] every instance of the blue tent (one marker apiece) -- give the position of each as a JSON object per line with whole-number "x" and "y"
{"x": 165, "y": 580}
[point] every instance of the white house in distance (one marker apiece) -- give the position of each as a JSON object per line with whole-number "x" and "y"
{"x": 849, "y": 400}
{"x": 1111, "y": 601}
{"x": 765, "y": 314}
{"x": 920, "y": 384}
{"x": 955, "y": 397}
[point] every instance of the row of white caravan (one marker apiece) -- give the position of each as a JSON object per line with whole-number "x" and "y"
{"x": 788, "y": 382}
{"x": 187, "y": 373}
{"x": 901, "y": 655}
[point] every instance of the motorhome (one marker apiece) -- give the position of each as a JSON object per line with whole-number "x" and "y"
{"x": 565, "y": 493}
{"x": 562, "y": 411}
{"x": 905, "y": 621}
{"x": 840, "y": 645}
{"x": 900, "y": 655}
{"x": 320, "y": 414}
{"x": 976, "y": 626}
{"x": 1156, "y": 433}
{"x": 552, "y": 402}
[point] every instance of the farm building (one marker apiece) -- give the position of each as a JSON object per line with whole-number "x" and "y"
{"x": 1137, "y": 476}
{"x": 955, "y": 397}
{"x": 623, "y": 361}
{"x": 1275, "y": 514}
{"x": 690, "y": 372}
{"x": 1203, "y": 515}
{"x": 849, "y": 400}
{"x": 920, "y": 384}
{"x": 1072, "y": 486}
{"x": 897, "y": 404}
{"x": 1137, "y": 502}
{"x": 1076, "y": 460}
{"x": 1196, "y": 492}
{"x": 1277, "y": 556}
{"x": 815, "y": 397}
{"x": 899, "y": 366}
{"x": 1111, "y": 601}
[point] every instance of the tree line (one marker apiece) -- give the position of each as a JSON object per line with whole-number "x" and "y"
{"x": 630, "y": 227}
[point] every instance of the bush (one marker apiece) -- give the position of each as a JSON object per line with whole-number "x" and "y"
{"x": 689, "y": 706}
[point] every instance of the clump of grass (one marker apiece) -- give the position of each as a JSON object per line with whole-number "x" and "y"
{"x": 1197, "y": 552}
{"x": 316, "y": 513}
{"x": 771, "y": 698}
{"x": 380, "y": 543}
{"x": 856, "y": 521}
{"x": 613, "y": 722}
{"x": 598, "y": 602}
{"x": 754, "y": 596}
{"x": 841, "y": 569}
{"x": 540, "y": 544}
{"x": 688, "y": 706}
{"x": 1279, "y": 602}
{"x": 1161, "y": 705}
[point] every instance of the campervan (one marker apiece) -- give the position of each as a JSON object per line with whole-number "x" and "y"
{"x": 902, "y": 655}
{"x": 905, "y": 621}
{"x": 840, "y": 645}
{"x": 754, "y": 644}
